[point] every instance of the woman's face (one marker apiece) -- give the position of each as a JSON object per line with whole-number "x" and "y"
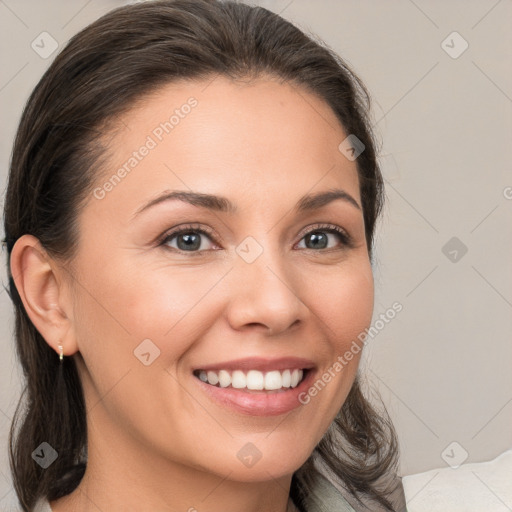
{"x": 151, "y": 308}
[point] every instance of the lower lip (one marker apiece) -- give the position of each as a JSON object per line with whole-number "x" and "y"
{"x": 265, "y": 403}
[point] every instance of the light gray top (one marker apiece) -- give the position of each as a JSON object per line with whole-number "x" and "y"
{"x": 42, "y": 506}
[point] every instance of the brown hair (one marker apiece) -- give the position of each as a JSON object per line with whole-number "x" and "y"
{"x": 103, "y": 70}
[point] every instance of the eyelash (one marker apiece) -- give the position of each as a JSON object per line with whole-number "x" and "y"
{"x": 345, "y": 238}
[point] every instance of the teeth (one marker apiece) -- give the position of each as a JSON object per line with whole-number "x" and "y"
{"x": 286, "y": 379}
{"x": 273, "y": 380}
{"x": 295, "y": 378}
{"x": 213, "y": 378}
{"x": 253, "y": 379}
{"x": 224, "y": 379}
{"x": 238, "y": 379}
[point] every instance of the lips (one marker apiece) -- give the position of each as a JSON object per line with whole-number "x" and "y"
{"x": 259, "y": 363}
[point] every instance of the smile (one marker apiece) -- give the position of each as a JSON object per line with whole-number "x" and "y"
{"x": 281, "y": 399}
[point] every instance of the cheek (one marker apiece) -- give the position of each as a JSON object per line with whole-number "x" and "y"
{"x": 121, "y": 305}
{"x": 343, "y": 300}
{"x": 343, "y": 303}
{"x": 132, "y": 304}
{"x": 351, "y": 318}
{"x": 356, "y": 300}
{"x": 174, "y": 307}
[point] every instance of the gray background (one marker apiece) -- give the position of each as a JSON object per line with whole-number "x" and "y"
{"x": 442, "y": 365}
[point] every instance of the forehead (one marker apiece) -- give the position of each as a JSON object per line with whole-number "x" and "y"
{"x": 260, "y": 140}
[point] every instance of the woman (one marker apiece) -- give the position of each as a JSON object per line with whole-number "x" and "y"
{"x": 189, "y": 220}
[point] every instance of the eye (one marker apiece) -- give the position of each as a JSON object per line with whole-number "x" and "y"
{"x": 318, "y": 238}
{"x": 188, "y": 238}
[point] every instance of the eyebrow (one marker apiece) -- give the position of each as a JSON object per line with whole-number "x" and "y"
{"x": 306, "y": 203}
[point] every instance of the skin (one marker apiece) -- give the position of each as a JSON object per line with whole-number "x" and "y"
{"x": 155, "y": 440}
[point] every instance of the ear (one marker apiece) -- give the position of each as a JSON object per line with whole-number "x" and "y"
{"x": 42, "y": 288}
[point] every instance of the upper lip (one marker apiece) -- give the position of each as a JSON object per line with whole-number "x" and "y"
{"x": 260, "y": 363}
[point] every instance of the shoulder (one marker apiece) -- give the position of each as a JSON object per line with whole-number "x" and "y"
{"x": 325, "y": 497}
{"x": 330, "y": 494}
{"x": 42, "y": 506}
{"x": 472, "y": 486}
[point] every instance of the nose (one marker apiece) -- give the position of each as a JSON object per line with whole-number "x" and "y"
{"x": 265, "y": 295}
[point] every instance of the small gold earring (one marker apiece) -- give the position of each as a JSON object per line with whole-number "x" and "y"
{"x": 61, "y": 356}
